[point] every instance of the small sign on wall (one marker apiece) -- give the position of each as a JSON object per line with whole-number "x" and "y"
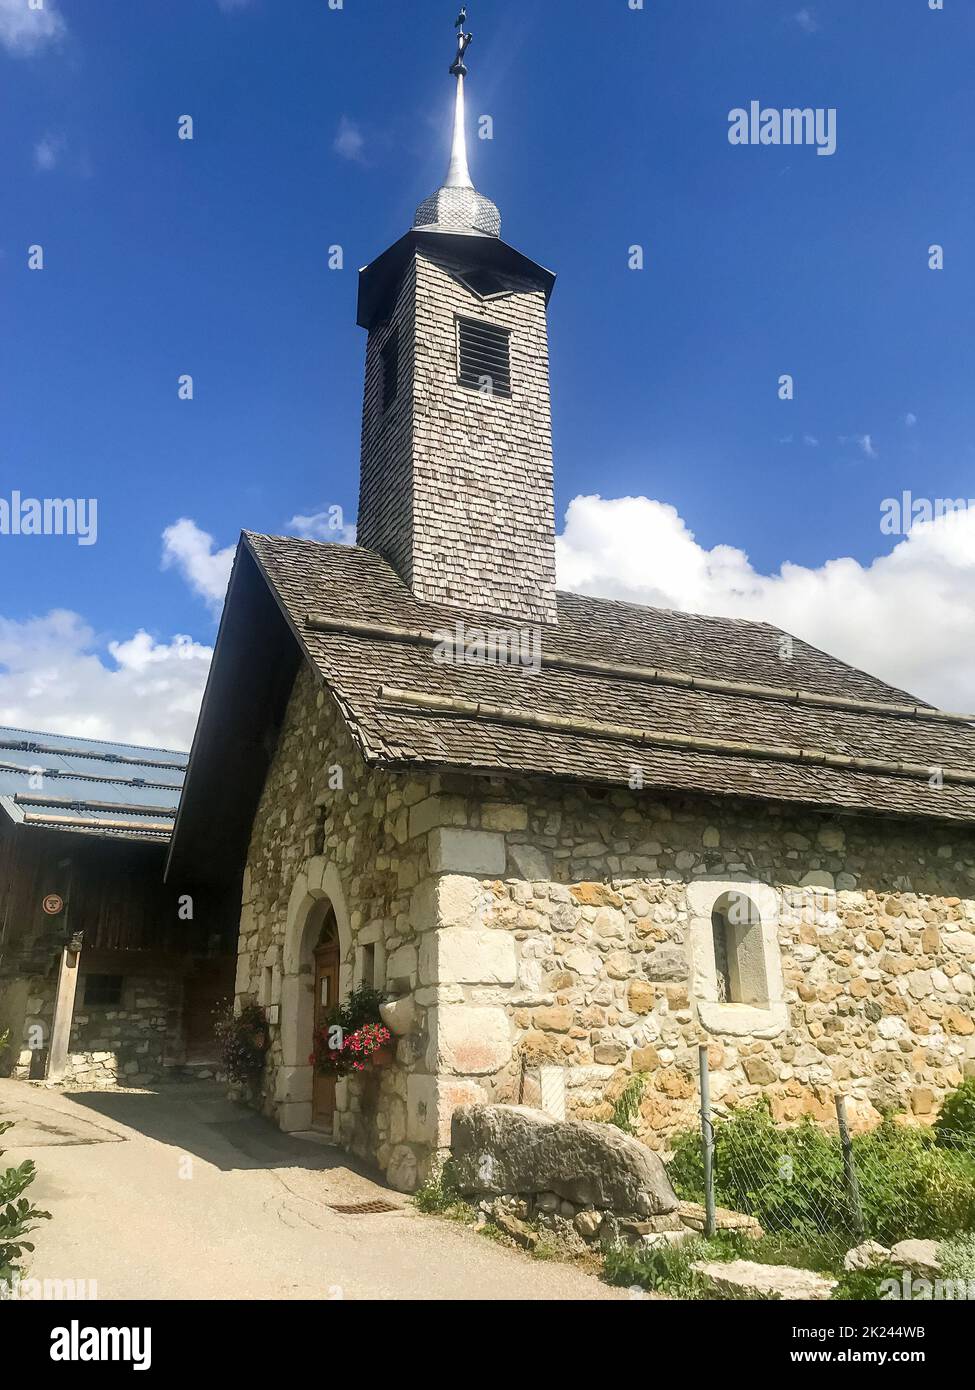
{"x": 53, "y": 904}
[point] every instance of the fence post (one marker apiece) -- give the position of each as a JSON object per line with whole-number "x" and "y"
{"x": 849, "y": 1170}
{"x": 707, "y": 1140}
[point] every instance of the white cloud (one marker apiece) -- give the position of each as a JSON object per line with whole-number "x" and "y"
{"x": 810, "y": 441}
{"x": 56, "y": 677}
{"x": 864, "y": 443}
{"x": 349, "y": 142}
{"x": 908, "y": 617}
{"x": 48, "y": 151}
{"x": 806, "y": 20}
{"x": 326, "y": 525}
{"x": 910, "y": 419}
{"x": 25, "y": 31}
{"x": 193, "y": 552}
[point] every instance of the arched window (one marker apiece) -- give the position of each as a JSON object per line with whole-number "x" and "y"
{"x": 739, "y": 953}
{"x": 736, "y": 964}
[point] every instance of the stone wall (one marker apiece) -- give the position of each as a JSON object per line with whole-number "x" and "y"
{"x": 872, "y": 923}
{"x": 539, "y": 924}
{"x": 327, "y": 826}
{"x": 131, "y": 1043}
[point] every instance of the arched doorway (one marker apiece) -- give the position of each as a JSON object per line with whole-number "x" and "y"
{"x": 317, "y": 903}
{"x": 326, "y": 998}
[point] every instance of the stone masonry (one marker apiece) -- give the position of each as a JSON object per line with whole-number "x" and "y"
{"x": 528, "y": 924}
{"x": 130, "y": 1044}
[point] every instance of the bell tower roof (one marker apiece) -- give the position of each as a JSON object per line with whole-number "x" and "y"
{"x": 457, "y": 206}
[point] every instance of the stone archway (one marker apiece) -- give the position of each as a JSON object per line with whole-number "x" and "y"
{"x": 317, "y": 887}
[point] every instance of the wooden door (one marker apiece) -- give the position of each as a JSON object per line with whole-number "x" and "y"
{"x": 209, "y": 984}
{"x": 326, "y": 997}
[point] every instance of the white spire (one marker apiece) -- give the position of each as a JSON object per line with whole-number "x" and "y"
{"x": 458, "y": 174}
{"x": 457, "y": 206}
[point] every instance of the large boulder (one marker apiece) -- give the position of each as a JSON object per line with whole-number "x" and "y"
{"x": 511, "y": 1148}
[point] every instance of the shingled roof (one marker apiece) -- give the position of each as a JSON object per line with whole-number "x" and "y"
{"x": 88, "y": 786}
{"x": 617, "y": 690}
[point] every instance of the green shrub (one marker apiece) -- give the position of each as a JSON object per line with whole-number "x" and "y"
{"x": 667, "y": 1268}
{"x": 17, "y": 1216}
{"x": 627, "y": 1105}
{"x": 955, "y": 1125}
{"x": 360, "y": 1006}
{"x": 440, "y": 1195}
{"x": 664, "y": 1268}
{"x": 957, "y": 1258}
{"x": 910, "y": 1186}
{"x": 864, "y": 1285}
{"x": 792, "y": 1179}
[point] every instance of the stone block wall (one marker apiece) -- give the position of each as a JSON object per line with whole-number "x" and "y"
{"x": 872, "y": 925}
{"x": 531, "y": 924}
{"x": 131, "y": 1043}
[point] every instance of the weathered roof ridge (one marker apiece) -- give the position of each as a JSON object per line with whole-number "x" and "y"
{"x": 435, "y": 637}
{"x": 630, "y": 733}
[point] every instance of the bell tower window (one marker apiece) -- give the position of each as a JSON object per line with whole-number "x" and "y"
{"x": 484, "y": 357}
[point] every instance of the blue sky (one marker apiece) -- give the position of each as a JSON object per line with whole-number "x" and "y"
{"x": 314, "y": 127}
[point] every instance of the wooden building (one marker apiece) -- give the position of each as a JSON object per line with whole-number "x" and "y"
{"x": 106, "y": 974}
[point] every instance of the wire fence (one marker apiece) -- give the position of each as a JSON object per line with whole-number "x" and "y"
{"x": 815, "y": 1182}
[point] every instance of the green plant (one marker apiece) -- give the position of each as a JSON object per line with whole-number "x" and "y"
{"x": 957, "y": 1258}
{"x": 351, "y": 1033}
{"x": 668, "y": 1268}
{"x": 440, "y": 1195}
{"x": 865, "y": 1285}
{"x": 18, "y": 1216}
{"x": 360, "y": 1006}
{"x": 627, "y": 1105}
{"x": 955, "y": 1125}
{"x": 792, "y": 1179}
{"x": 243, "y": 1040}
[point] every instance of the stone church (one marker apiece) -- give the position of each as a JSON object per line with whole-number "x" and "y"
{"x": 571, "y": 839}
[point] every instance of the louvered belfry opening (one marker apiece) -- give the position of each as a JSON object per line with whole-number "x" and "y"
{"x": 484, "y": 357}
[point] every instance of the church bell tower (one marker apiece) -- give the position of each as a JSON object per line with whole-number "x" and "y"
{"x": 456, "y": 472}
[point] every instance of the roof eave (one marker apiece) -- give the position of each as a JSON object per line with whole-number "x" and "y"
{"x": 379, "y": 280}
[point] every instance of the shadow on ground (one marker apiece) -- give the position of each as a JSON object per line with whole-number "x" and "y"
{"x": 198, "y": 1119}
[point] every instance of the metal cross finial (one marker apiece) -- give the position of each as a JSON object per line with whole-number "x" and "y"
{"x": 458, "y": 67}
